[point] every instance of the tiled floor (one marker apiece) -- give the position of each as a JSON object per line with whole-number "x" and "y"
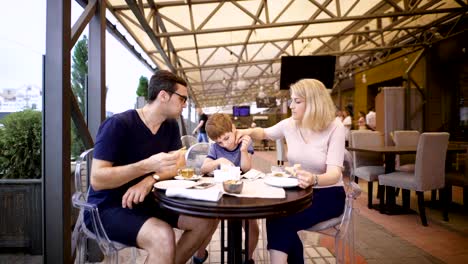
{"x": 379, "y": 238}
{"x": 313, "y": 253}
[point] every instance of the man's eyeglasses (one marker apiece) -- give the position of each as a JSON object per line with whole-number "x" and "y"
{"x": 183, "y": 98}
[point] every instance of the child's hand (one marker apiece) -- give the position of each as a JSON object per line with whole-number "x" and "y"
{"x": 224, "y": 161}
{"x": 245, "y": 141}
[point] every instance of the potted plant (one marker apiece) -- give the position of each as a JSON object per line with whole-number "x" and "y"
{"x": 20, "y": 181}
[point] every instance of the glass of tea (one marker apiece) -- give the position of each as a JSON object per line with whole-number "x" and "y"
{"x": 187, "y": 172}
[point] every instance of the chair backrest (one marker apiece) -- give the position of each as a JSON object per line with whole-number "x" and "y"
{"x": 407, "y": 138}
{"x": 196, "y": 154}
{"x": 348, "y": 166}
{"x": 188, "y": 141}
{"x": 365, "y": 138}
{"x": 430, "y": 161}
{"x": 82, "y": 172}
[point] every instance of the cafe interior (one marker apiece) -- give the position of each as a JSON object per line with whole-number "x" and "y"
{"x": 404, "y": 59}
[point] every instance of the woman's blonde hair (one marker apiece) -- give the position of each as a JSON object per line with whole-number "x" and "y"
{"x": 320, "y": 109}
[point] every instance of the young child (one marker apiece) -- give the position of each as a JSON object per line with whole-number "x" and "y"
{"x": 226, "y": 151}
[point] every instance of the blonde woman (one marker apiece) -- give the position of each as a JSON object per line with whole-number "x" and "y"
{"x": 316, "y": 141}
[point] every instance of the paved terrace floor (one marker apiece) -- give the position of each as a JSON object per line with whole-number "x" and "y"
{"x": 379, "y": 238}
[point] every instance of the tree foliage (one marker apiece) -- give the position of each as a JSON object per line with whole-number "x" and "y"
{"x": 78, "y": 84}
{"x": 20, "y": 145}
{"x": 142, "y": 89}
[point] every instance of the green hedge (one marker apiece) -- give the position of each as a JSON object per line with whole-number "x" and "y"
{"x": 20, "y": 145}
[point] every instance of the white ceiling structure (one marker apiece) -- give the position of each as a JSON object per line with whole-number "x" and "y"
{"x": 230, "y": 50}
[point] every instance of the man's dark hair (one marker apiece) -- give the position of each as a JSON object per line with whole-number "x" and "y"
{"x": 163, "y": 81}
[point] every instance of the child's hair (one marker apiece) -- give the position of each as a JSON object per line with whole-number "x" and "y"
{"x": 217, "y": 125}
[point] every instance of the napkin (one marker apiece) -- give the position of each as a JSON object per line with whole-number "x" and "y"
{"x": 212, "y": 194}
{"x": 253, "y": 174}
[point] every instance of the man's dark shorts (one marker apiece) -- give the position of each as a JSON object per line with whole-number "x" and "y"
{"x": 123, "y": 224}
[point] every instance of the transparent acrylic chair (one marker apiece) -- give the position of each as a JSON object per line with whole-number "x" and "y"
{"x": 342, "y": 227}
{"x": 81, "y": 232}
{"x": 196, "y": 154}
{"x": 188, "y": 141}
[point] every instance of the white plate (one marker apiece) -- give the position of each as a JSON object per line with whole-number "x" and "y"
{"x": 194, "y": 178}
{"x": 281, "y": 181}
{"x": 163, "y": 185}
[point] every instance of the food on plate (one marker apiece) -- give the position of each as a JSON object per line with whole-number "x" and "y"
{"x": 292, "y": 170}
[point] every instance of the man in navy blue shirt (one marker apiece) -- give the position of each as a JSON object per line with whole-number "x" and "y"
{"x": 133, "y": 150}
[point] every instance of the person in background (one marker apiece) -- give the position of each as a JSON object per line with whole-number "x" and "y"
{"x": 202, "y": 118}
{"x": 348, "y": 123}
{"x": 316, "y": 142}
{"x": 339, "y": 115}
{"x": 133, "y": 150}
{"x": 228, "y": 151}
{"x": 362, "y": 121}
{"x": 370, "y": 119}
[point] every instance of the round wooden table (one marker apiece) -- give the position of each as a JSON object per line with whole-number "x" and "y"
{"x": 235, "y": 209}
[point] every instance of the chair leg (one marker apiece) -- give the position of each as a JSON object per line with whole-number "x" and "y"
{"x": 406, "y": 198}
{"x": 422, "y": 210}
{"x": 397, "y": 192}
{"x": 448, "y": 192}
{"x": 81, "y": 249}
{"x": 443, "y": 195}
{"x": 370, "y": 187}
{"x": 382, "y": 199}
{"x": 434, "y": 196}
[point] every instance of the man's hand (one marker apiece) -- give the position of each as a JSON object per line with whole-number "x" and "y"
{"x": 163, "y": 161}
{"x": 137, "y": 193}
{"x": 245, "y": 141}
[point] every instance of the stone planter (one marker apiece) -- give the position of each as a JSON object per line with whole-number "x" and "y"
{"x": 21, "y": 214}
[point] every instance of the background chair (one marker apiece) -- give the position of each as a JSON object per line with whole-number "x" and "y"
{"x": 81, "y": 232}
{"x": 406, "y": 138}
{"x": 342, "y": 227}
{"x": 367, "y": 166}
{"x": 188, "y": 141}
{"x": 196, "y": 154}
{"x": 429, "y": 171}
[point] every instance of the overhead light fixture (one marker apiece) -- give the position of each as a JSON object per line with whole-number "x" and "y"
{"x": 261, "y": 93}
{"x": 276, "y": 86}
{"x": 364, "y": 78}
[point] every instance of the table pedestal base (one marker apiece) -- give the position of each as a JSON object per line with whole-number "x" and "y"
{"x": 234, "y": 241}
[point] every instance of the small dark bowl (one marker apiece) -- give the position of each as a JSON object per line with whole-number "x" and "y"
{"x": 232, "y": 186}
